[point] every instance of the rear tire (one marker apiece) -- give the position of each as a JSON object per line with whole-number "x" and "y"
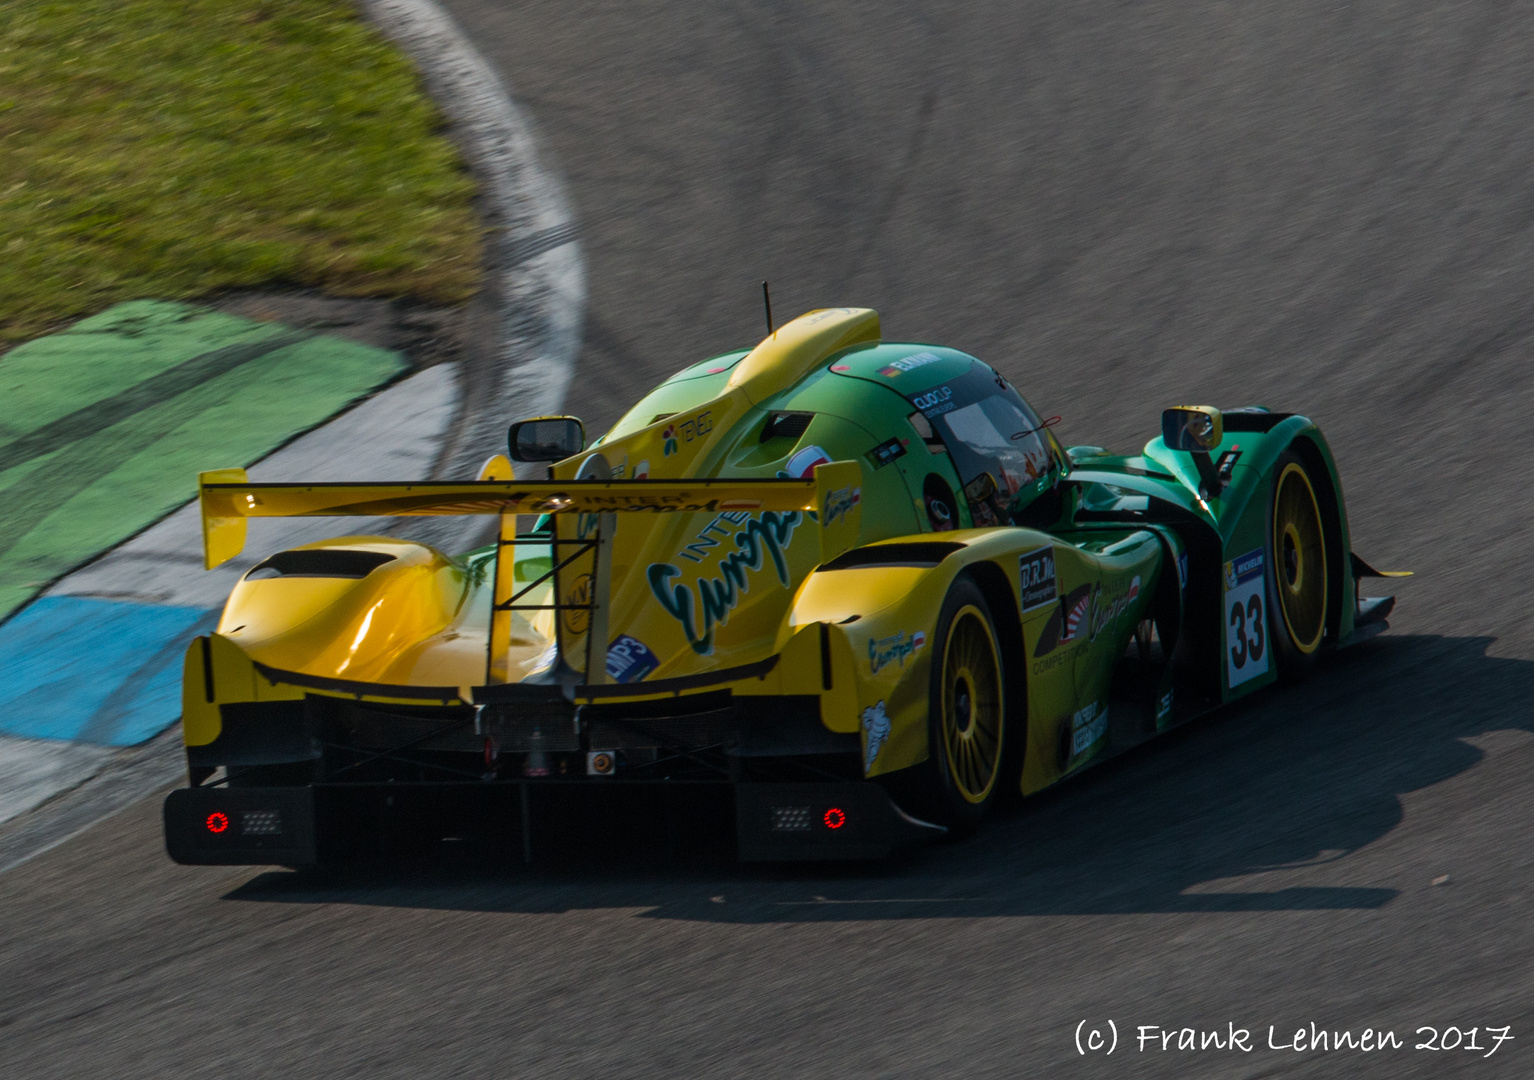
{"x": 1297, "y": 578}
{"x": 966, "y": 721}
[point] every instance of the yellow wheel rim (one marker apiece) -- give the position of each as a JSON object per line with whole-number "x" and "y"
{"x": 1299, "y": 555}
{"x": 972, "y": 705}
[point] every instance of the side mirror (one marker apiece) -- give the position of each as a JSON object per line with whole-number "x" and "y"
{"x": 545, "y": 438}
{"x": 1192, "y": 427}
{"x": 981, "y": 489}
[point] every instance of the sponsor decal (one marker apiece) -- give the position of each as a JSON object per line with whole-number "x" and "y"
{"x": 1036, "y": 578}
{"x": 909, "y": 363}
{"x": 1163, "y": 709}
{"x": 803, "y": 463}
{"x": 539, "y": 502}
{"x": 1239, "y": 571}
{"x": 1087, "y": 726}
{"x": 707, "y": 602}
{"x": 876, "y": 729}
{"x": 838, "y": 504}
{"x": 642, "y": 470}
{"x": 697, "y": 427}
{"x": 1246, "y": 619}
{"x": 626, "y": 501}
{"x": 886, "y": 452}
{"x": 935, "y": 402}
{"x": 1065, "y": 621}
{"x": 721, "y": 528}
{"x": 1083, "y": 615}
{"x": 897, "y": 648}
{"x": 1053, "y": 660}
{"x": 629, "y": 660}
{"x": 685, "y": 431}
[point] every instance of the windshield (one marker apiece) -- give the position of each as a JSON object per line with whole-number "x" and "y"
{"x": 993, "y": 437}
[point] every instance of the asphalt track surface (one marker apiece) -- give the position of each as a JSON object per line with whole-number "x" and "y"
{"x": 1322, "y": 207}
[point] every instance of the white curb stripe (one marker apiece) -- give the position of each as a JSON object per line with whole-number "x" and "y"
{"x": 543, "y": 292}
{"x": 392, "y": 436}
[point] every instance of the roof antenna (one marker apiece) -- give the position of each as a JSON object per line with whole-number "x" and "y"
{"x": 767, "y": 303}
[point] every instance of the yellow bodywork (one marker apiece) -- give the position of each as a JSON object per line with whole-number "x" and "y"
{"x": 421, "y": 628}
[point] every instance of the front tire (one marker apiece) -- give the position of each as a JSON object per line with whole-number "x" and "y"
{"x": 966, "y": 725}
{"x": 1298, "y": 586}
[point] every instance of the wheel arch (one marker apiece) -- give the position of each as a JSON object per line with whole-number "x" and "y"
{"x": 999, "y": 597}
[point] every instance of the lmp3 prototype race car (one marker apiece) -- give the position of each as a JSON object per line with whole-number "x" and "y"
{"x": 830, "y": 595}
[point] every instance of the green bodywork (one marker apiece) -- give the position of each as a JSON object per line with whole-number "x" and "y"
{"x": 1127, "y": 542}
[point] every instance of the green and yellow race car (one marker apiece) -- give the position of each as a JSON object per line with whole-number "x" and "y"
{"x": 834, "y": 593}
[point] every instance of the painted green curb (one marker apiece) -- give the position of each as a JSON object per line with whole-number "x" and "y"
{"x": 105, "y": 426}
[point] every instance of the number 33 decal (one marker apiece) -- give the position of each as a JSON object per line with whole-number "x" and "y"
{"x": 1246, "y": 624}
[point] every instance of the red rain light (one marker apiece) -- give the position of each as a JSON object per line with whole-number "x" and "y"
{"x": 218, "y": 822}
{"x": 835, "y": 818}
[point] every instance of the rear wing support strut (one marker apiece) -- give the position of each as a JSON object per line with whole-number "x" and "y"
{"x": 505, "y": 602}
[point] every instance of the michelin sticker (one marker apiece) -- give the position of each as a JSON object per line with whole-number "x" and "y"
{"x": 876, "y": 729}
{"x": 1246, "y": 621}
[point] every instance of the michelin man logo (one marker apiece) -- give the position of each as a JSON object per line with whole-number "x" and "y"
{"x": 876, "y": 728}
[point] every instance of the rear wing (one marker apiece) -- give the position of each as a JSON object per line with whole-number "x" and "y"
{"x": 228, "y": 500}
{"x": 832, "y": 496}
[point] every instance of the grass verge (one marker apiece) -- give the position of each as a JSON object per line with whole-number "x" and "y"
{"x": 171, "y": 149}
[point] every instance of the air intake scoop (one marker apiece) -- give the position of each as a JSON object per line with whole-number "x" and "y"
{"x": 319, "y": 563}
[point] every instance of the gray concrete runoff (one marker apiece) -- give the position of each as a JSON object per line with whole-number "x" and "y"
{"x": 519, "y": 363}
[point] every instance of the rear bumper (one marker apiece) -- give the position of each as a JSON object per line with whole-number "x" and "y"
{"x": 303, "y": 826}
{"x": 243, "y": 826}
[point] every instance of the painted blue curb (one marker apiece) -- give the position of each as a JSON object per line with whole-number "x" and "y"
{"x": 94, "y": 671}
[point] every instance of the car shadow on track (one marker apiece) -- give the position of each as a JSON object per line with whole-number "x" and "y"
{"x": 1256, "y": 808}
